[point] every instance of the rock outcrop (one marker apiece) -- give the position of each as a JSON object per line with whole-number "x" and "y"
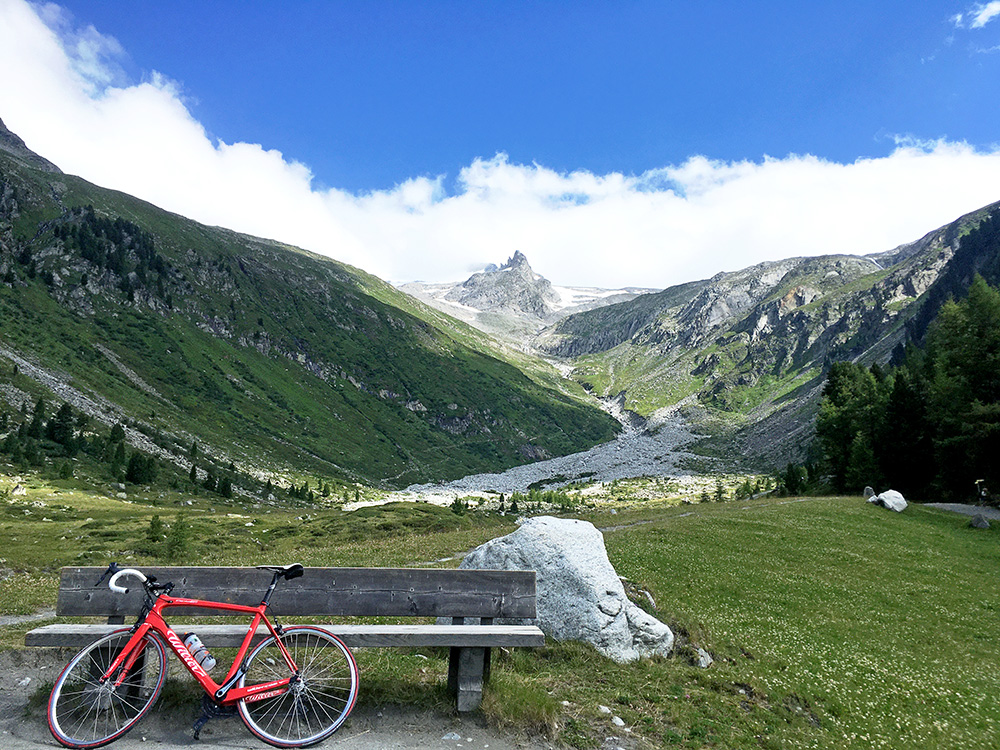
{"x": 580, "y": 597}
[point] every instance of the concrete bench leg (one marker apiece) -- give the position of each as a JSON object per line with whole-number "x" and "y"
{"x": 466, "y": 675}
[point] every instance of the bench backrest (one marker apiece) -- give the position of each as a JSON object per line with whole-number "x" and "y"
{"x": 336, "y": 592}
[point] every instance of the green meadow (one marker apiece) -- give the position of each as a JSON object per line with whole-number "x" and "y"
{"x": 832, "y": 623}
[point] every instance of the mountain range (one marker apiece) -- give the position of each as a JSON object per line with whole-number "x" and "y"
{"x": 287, "y": 364}
{"x": 741, "y": 355}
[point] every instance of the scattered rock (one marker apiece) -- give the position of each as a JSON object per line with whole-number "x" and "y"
{"x": 617, "y": 721}
{"x": 604, "y": 709}
{"x": 704, "y": 658}
{"x": 20, "y": 490}
{"x": 452, "y": 737}
{"x": 890, "y": 499}
{"x": 979, "y": 522}
{"x": 121, "y": 495}
{"x": 580, "y": 597}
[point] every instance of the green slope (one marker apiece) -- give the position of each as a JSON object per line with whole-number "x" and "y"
{"x": 281, "y": 358}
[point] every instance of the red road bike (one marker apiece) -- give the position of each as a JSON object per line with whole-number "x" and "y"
{"x": 293, "y": 689}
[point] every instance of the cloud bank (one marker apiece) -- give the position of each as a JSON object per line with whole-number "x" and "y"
{"x": 70, "y": 102}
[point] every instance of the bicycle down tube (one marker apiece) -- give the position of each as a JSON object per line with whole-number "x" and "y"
{"x": 222, "y": 693}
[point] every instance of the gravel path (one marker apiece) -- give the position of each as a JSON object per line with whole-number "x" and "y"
{"x": 993, "y": 514}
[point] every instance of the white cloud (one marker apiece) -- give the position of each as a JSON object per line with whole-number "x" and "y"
{"x": 668, "y": 225}
{"x": 983, "y": 14}
{"x": 977, "y": 16}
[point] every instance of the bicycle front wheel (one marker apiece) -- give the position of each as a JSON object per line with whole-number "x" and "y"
{"x": 319, "y": 698}
{"x": 85, "y": 712}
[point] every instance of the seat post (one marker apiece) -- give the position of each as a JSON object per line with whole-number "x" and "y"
{"x": 270, "y": 589}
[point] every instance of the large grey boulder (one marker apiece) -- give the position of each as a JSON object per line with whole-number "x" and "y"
{"x": 890, "y": 499}
{"x": 580, "y": 597}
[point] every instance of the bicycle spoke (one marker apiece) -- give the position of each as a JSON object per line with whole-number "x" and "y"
{"x": 86, "y": 712}
{"x": 316, "y": 703}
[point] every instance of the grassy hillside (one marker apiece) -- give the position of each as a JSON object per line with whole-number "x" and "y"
{"x": 833, "y": 623}
{"x": 280, "y": 359}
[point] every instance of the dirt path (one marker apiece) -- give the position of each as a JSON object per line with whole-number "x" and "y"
{"x": 369, "y": 728}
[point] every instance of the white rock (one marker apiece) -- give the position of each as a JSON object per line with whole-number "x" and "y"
{"x": 451, "y": 737}
{"x": 617, "y": 721}
{"x": 604, "y": 709}
{"x": 580, "y": 597}
{"x": 890, "y": 499}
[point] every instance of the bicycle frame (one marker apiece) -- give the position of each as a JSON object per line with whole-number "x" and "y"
{"x": 224, "y": 693}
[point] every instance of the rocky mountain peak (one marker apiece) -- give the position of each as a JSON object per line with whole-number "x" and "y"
{"x": 513, "y": 289}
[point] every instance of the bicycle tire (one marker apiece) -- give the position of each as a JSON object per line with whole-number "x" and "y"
{"x": 317, "y": 704}
{"x": 83, "y": 713}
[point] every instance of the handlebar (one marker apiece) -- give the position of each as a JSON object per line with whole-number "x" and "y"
{"x": 113, "y": 583}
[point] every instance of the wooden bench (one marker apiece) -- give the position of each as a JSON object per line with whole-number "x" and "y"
{"x": 471, "y": 598}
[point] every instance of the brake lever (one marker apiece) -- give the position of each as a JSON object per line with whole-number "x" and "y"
{"x": 112, "y": 569}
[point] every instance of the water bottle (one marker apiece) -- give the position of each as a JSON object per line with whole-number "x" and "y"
{"x": 199, "y": 652}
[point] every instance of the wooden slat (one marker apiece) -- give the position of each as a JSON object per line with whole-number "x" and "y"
{"x": 334, "y": 592}
{"x": 354, "y": 636}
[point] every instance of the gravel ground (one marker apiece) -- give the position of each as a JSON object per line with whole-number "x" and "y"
{"x": 369, "y": 728}
{"x": 993, "y": 514}
{"x": 652, "y": 449}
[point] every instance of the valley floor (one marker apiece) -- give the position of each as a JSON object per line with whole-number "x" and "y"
{"x": 655, "y": 449}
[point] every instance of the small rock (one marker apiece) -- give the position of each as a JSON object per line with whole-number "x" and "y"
{"x": 869, "y": 492}
{"x": 704, "y": 658}
{"x": 24, "y": 682}
{"x": 451, "y": 737}
{"x": 979, "y": 522}
{"x": 604, "y": 709}
{"x": 617, "y": 721}
{"x": 121, "y": 495}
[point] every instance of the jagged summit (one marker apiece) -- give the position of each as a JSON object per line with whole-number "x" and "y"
{"x": 13, "y": 145}
{"x": 517, "y": 260}
{"x": 513, "y": 289}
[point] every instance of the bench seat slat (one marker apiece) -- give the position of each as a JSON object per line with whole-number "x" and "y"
{"x": 354, "y": 636}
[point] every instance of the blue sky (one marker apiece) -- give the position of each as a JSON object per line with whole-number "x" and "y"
{"x": 371, "y": 94}
{"x": 615, "y": 143}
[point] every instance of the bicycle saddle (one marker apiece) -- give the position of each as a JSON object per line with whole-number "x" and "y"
{"x": 288, "y": 572}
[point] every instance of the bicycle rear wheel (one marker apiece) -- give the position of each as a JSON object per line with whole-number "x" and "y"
{"x": 316, "y": 704}
{"x": 85, "y": 712}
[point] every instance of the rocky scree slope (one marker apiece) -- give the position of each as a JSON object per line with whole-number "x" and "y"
{"x": 282, "y": 359}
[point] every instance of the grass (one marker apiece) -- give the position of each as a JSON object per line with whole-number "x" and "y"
{"x": 832, "y": 623}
